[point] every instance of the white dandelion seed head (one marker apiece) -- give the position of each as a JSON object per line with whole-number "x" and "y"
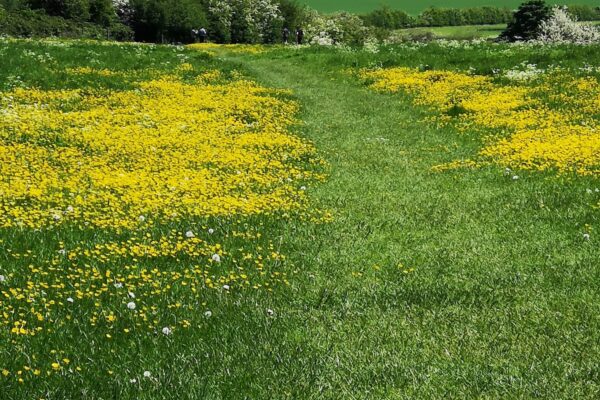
{"x": 131, "y": 305}
{"x": 515, "y": 177}
{"x": 118, "y": 285}
{"x": 211, "y": 231}
{"x": 62, "y": 252}
{"x": 586, "y": 236}
{"x": 270, "y": 312}
{"x": 189, "y": 234}
{"x": 2, "y": 278}
{"x": 208, "y": 313}
{"x": 147, "y": 374}
{"x": 70, "y": 299}
{"x": 141, "y": 218}
{"x": 226, "y": 287}
{"x": 216, "y": 258}
{"x": 167, "y": 331}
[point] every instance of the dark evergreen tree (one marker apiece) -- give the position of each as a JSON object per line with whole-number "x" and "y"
{"x": 526, "y": 21}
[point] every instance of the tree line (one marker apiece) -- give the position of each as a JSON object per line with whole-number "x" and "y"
{"x": 388, "y": 18}
{"x": 227, "y": 21}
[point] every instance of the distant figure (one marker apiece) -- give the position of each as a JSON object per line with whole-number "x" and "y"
{"x": 299, "y": 35}
{"x": 286, "y": 35}
{"x": 202, "y": 34}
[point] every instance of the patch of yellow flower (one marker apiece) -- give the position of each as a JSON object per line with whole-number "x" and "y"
{"x": 551, "y": 124}
{"x": 125, "y": 166}
{"x": 167, "y": 150}
{"x": 232, "y": 48}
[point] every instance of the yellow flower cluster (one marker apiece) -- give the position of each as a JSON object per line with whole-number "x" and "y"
{"x": 551, "y": 124}
{"x": 170, "y": 149}
{"x": 125, "y": 166}
{"x": 232, "y": 48}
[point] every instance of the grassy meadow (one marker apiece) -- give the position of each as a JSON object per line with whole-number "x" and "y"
{"x": 414, "y": 7}
{"x": 467, "y": 32}
{"x": 253, "y": 222}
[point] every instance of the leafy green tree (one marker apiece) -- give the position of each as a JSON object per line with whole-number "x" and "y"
{"x": 9, "y": 5}
{"x": 292, "y": 13}
{"x": 102, "y": 12}
{"x": 584, "y": 12}
{"x": 388, "y": 18}
{"x": 526, "y": 21}
{"x": 165, "y": 21}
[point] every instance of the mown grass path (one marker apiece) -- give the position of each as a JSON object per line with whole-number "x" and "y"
{"x": 503, "y": 300}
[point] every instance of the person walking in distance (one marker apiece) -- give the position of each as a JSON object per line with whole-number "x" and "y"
{"x": 299, "y": 35}
{"x": 202, "y": 34}
{"x": 286, "y": 35}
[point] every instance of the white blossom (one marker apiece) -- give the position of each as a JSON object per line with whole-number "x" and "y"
{"x": 562, "y": 28}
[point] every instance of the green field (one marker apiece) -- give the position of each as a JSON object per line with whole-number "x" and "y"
{"x": 456, "y": 32}
{"x": 465, "y": 32}
{"x": 414, "y": 7}
{"x": 390, "y": 280}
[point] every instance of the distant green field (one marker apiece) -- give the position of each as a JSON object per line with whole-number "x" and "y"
{"x": 458, "y": 32}
{"x": 414, "y": 7}
{"x": 462, "y": 32}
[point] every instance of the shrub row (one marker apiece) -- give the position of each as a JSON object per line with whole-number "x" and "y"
{"x": 28, "y": 23}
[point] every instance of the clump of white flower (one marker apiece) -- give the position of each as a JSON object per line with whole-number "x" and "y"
{"x": 562, "y": 28}
{"x": 371, "y": 45}
{"x": 258, "y": 16}
{"x": 322, "y": 39}
{"x": 131, "y": 305}
{"x": 167, "y": 331}
{"x": 524, "y": 72}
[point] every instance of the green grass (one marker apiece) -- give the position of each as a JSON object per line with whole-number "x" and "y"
{"x": 415, "y": 7}
{"x": 456, "y": 32}
{"x": 461, "y": 32}
{"x": 499, "y": 298}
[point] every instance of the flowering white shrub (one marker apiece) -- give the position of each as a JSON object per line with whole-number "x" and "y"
{"x": 561, "y": 28}
{"x": 371, "y": 45}
{"x": 322, "y": 39}
{"x": 249, "y": 21}
{"x": 335, "y": 29}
